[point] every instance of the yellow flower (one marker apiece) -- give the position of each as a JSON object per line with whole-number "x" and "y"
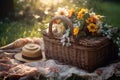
{"x": 89, "y": 20}
{"x": 83, "y": 10}
{"x": 81, "y": 13}
{"x": 70, "y": 12}
{"x": 92, "y": 28}
{"x": 75, "y": 31}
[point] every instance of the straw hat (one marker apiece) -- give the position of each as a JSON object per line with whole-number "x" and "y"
{"x": 30, "y": 52}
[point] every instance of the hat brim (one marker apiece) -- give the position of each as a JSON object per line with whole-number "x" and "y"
{"x": 19, "y": 57}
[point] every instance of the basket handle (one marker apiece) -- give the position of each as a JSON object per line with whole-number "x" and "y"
{"x": 65, "y": 20}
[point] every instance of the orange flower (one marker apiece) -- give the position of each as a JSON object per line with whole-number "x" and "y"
{"x": 81, "y": 13}
{"x": 83, "y": 10}
{"x": 94, "y": 19}
{"x": 70, "y": 12}
{"x": 75, "y": 31}
{"x": 89, "y": 20}
{"x": 92, "y": 28}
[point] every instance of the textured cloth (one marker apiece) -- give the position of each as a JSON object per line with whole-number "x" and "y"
{"x": 52, "y": 68}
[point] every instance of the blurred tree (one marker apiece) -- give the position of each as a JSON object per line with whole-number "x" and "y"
{"x": 6, "y": 8}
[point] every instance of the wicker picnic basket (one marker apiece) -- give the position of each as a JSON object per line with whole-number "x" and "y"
{"x": 87, "y": 54}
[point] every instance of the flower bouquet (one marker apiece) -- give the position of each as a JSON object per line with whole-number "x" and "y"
{"x": 86, "y": 23}
{"x": 80, "y": 37}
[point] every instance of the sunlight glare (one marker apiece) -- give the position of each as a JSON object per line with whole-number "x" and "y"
{"x": 51, "y": 2}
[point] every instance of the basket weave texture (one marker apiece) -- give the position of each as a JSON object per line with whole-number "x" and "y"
{"x": 87, "y": 54}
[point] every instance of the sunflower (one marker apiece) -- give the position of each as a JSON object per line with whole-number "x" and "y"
{"x": 75, "y": 31}
{"x": 92, "y": 27}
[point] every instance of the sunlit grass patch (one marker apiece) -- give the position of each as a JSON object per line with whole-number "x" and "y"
{"x": 14, "y": 30}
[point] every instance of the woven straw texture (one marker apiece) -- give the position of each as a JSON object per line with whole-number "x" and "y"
{"x": 87, "y": 54}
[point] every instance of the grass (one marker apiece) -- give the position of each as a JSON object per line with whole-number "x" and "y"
{"x": 14, "y": 30}
{"x": 111, "y": 11}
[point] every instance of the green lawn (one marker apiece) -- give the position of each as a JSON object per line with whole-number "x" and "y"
{"x": 112, "y": 12}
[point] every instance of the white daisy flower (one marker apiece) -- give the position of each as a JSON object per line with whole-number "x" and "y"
{"x": 62, "y": 11}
